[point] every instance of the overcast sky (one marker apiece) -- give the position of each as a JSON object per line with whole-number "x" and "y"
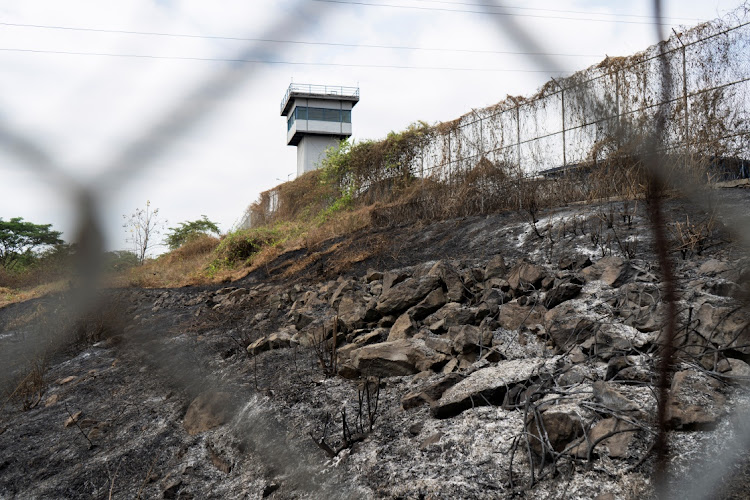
{"x": 83, "y": 108}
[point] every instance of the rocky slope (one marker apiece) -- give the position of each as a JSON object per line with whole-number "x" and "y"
{"x": 486, "y": 357}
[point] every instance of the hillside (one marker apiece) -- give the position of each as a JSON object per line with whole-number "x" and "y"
{"x": 475, "y": 357}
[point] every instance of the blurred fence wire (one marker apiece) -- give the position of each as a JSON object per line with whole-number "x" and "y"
{"x": 682, "y": 101}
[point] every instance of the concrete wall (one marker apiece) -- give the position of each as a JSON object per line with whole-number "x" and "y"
{"x": 311, "y": 150}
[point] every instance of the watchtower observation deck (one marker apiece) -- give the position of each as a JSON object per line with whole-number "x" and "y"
{"x": 318, "y": 117}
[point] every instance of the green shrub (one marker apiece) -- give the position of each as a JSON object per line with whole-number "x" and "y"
{"x": 186, "y": 231}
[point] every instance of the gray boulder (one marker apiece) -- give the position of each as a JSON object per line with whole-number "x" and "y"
{"x": 514, "y": 315}
{"x": 614, "y": 271}
{"x": 695, "y": 401}
{"x": 451, "y": 278}
{"x": 396, "y": 358}
{"x": 469, "y": 338}
{"x": 408, "y": 293}
{"x": 729, "y": 327}
{"x": 488, "y": 386}
{"x": 567, "y": 326}
{"x": 526, "y": 276}
{"x": 495, "y": 268}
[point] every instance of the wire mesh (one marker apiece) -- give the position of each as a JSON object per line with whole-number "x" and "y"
{"x": 684, "y": 97}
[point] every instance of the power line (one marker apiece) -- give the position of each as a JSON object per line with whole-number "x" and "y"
{"x": 488, "y": 13}
{"x": 298, "y": 42}
{"x": 557, "y": 10}
{"x": 292, "y": 63}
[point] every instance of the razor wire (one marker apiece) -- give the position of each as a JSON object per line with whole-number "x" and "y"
{"x": 508, "y": 134}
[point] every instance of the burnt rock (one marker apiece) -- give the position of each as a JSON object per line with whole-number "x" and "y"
{"x": 452, "y": 314}
{"x": 567, "y": 326}
{"x": 408, "y": 293}
{"x": 451, "y": 279}
{"x": 695, "y": 401}
{"x": 277, "y": 340}
{"x": 606, "y": 395}
{"x": 614, "y": 271}
{"x": 403, "y": 328}
{"x": 430, "y": 393}
{"x": 561, "y": 293}
{"x": 495, "y": 268}
{"x": 433, "y": 302}
{"x": 469, "y": 338}
{"x": 570, "y": 262}
{"x": 513, "y": 315}
{"x": 729, "y": 327}
{"x": 392, "y": 278}
{"x": 396, "y": 358}
{"x": 621, "y": 434}
{"x": 554, "y": 428}
{"x": 487, "y": 386}
{"x": 355, "y": 313}
{"x": 526, "y": 276}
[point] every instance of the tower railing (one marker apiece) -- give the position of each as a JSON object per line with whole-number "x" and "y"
{"x": 326, "y": 90}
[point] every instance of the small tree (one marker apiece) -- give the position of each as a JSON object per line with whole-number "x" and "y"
{"x": 143, "y": 226}
{"x": 178, "y": 236}
{"x": 19, "y": 239}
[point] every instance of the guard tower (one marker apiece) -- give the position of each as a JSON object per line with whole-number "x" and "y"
{"x": 317, "y": 117}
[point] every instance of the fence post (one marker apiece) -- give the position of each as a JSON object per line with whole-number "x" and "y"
{"x": 685, "y": 98}
{"x": 421, "y": 168}
{"x": 518, "y": 152}
{"x": 450, "y": 167}
{"x": 562, "y": 97}
{"x": 617, "y": 110}
{"x": 481, "y": 138}
{"x": 481, "y": 155}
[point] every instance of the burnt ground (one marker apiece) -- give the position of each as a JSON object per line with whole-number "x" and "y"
{"x": 135, "y": 362}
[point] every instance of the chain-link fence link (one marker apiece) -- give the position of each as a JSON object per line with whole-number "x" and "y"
{"x": 682, "y": 104}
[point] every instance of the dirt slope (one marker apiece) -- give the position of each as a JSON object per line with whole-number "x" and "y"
{"x": 160, "y": 397}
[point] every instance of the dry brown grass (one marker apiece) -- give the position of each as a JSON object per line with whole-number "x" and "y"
{"x": 21, "y": 320}
{"x": 304, "y": 196}
{"x": 13, "y": 295}
{"x": 337, "y": 224}
{"x": 39, "y": 274}
{"x": 183, "y": 266}
{"x": 30, "y": 389}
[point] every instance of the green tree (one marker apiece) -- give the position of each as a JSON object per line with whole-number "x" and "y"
{"x": 336, "y": 163}
{"x": 120, "y": 260}
{"x": 185, "y": 231}
{"x": 19, "y": 239}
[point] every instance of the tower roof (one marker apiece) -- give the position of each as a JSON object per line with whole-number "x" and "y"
{"x": 332, "y": 92}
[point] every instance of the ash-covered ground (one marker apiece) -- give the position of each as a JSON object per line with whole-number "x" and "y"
{"x": 483, "y": 357}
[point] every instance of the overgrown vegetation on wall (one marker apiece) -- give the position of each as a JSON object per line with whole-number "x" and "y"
{"x": 586, "y": 133}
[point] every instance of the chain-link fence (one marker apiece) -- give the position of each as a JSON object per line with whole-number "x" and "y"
{"x": 682, "y": 101}
{"x": 595, "y": 113}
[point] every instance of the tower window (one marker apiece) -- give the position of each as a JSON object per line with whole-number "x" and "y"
{"x": 320, "y": 114}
